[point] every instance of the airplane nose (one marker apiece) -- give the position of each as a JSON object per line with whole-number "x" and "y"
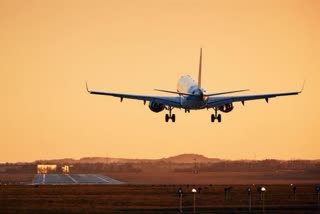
{"x": 198, "y": 92}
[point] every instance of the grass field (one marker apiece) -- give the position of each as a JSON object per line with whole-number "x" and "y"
{"x": 168, "y": 177}
{"x": 153, "y": 199}
{"x": 159, "y": 175}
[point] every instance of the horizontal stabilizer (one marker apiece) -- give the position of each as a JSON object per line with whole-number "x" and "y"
{"x": 207, "y": 95}
{"x": 226, "y": 92}
{"x": 173, "y": 92}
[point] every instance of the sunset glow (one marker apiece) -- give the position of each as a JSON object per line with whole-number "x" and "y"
{"x": 50, "y": 48}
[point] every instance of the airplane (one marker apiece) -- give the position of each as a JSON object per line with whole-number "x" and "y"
{"x": 191, "y": 96}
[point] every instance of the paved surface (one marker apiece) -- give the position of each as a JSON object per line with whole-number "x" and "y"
{"x": 73, "y": 179}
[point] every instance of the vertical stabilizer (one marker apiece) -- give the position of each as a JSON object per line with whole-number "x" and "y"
{"x": 200, "y": 65}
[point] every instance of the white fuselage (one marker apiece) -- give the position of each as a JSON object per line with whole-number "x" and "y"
{"x": 195, "y": 101}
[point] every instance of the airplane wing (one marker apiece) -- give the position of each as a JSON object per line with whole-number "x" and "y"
{"x": 165, "y": 100}
{"x": 220, "y": 101}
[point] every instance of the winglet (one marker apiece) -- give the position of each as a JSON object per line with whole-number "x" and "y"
{"x": 304, "y": 82}
{"x": 200, "y": 68}
{"x": 87, "y": 87}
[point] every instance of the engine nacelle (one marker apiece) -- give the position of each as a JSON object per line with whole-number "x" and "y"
{"x": 156, "y": 107}
{"x": 226, "y": 108}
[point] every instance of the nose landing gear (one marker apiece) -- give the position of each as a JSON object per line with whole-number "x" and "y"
{"x": 215, "y": 115}
{"x": 170, "y": 116}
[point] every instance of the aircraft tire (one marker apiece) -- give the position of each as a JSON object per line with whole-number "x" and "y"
{"x": 212, "y": 118}
{"x": 173, "y": 118}
{"x": 219, "y": 118}
{"x": 167, "y": 118}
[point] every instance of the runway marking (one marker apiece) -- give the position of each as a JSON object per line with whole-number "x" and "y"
{"x": 52, "y": 179}
{"x": 101, "y": 179}
{"x": 43, "y": 178}
{"x": 74, "y": 180}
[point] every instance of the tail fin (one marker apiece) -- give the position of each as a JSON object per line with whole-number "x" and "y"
{"x": 200, "y": 65}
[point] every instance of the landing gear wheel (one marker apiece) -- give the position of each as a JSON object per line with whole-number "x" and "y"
{"x": 173, "y": 118}
{"x": 215, "y": 116}
{"x": 219, "y": 118}
{"x": 167, "y": 118}
{"x": 170, "y": 116}
{"x": 212, "y": 118}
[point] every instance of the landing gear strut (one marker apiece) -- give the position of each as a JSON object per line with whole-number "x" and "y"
{"x": 215, "y": 115}
{"x": 170, "y": 116}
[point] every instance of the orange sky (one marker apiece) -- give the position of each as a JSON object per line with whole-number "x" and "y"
{"x": 49, "y": 48}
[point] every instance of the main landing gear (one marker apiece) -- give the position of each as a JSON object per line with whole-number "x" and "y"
{"x": 170, "y": 116}
{"x": 215, "y": 116}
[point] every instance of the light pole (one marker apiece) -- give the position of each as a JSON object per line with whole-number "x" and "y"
{"x": 194, "y": 191}
{"x": 318, "y": 197}
{"x": 294, "y": 189}
{"x": 180, "y": 192}
{"x": 263, "y": 190}
{"x": 249, "y": 198}
{"x": 227, "y": 191}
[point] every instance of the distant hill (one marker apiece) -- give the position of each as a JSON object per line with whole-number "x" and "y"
{"x": 183, "y": 158}
{"x": 190, "y": 158}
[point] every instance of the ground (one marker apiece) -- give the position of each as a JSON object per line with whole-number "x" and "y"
{"x": 153, "y": 199}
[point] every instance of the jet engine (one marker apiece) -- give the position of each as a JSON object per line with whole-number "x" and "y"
{"x": 226, "y": 108}
{"x": 156, "y": 107}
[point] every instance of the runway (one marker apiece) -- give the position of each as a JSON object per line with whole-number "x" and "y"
{"x": 66, "y": 179}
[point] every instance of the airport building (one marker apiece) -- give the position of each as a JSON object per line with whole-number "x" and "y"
{"x": 52, "y": 168}
{"x": 46, "y": 168}
{"x": 65, "y": 169}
